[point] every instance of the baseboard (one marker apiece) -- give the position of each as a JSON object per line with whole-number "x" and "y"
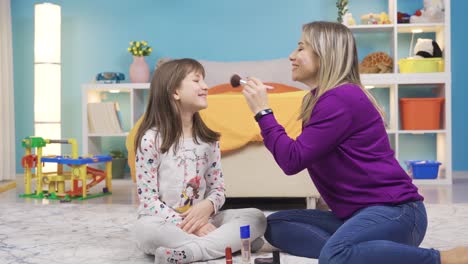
{"x": 460, "y": 174}
{"x": 7, "y": 185}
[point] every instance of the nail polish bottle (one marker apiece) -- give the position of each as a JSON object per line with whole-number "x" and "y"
{"x": 228, "y": 252}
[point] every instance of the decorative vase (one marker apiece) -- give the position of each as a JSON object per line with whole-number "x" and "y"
{"x": 139, "y": 70}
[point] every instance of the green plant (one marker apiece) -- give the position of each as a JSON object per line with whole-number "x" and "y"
{"x": 342, "y": 6}
{"x": 117, "y": 154}
{"x": 119, "y": 161}
{"x": 139, "y": 48}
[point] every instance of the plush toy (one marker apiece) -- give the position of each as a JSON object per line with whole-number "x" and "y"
{"x": 384, "y": 19}
{"x": 348, "y": 20}
{"x": 377, "y": 62}
{"x": 371, "y": 18}
{"x": 427, "y": 48}
{"x": 403, "y": 18}
{"x": 432, "y": 12}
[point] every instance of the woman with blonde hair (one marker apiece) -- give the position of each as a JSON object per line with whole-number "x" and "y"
{"x": 377, "y": 214}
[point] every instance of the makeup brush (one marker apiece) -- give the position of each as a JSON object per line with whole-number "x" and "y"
{"x": 237, "y": 81}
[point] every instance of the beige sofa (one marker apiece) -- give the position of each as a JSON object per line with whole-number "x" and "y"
{"x": 252, "y": 172}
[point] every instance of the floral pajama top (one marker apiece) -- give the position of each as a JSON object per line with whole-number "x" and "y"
{"x": 169, "y": 184}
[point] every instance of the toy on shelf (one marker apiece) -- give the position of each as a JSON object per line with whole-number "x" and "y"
{"x": 427, "y": 48}
{"x": 110, "y": 77}
{"x": 403, "y": 18}
{"x": 432, "y": 12}
{"x": 375, "y": 19}
{"x": 56, "y": 181}
{"x": 377, "y": 62}
{"x": 427, "y": 57}
{"x": 348, "y": 20}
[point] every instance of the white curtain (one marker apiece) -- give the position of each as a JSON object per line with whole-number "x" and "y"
{"x": 7, "y": 117}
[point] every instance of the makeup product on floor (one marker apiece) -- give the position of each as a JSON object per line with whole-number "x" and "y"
{"x": 228, "y": 253}
{"x": 245, "y": 244}
{"x": 274, "y": 260}
{"x": 276, "y": 257}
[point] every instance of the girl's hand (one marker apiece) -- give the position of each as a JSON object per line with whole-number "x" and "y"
{"x": 205, "y": 230}
{"x": 197, "y": 216}
{"x": 255, "y": 92}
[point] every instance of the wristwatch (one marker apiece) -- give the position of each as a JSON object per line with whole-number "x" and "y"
{"x": 263, "y": 113}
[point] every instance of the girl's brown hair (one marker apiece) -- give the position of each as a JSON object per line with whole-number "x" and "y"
{"x": 163, "y": 113}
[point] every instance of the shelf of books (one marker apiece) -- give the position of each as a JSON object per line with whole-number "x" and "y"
{"x": 109, "y": 112}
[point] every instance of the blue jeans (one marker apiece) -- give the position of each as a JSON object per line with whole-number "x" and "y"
{"x": 376, "y": 234}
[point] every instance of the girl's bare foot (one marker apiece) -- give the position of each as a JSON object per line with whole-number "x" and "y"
{"x": 458, "y": 255}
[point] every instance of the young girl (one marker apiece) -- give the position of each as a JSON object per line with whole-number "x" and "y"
{"x": 377, "y": 214}
{"x": 179, "y": 178}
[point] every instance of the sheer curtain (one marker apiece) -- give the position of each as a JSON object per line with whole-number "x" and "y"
{"x": 7, "y": 117}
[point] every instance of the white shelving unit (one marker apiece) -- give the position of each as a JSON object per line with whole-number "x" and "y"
{"x": 91, "y": 93}
{"x": 397, "y": 83}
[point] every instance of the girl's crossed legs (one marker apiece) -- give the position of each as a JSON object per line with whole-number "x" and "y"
{"x": 155, "y": 236}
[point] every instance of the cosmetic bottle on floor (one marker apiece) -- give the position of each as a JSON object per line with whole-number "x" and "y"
{"x": 245, "y": 244}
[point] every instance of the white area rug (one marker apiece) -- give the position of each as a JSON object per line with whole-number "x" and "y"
{"x": 98, "y": 233}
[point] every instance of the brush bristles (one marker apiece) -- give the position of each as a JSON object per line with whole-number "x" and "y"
{"x": 235, "y": 80}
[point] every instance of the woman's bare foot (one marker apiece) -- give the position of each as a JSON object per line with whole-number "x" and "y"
{"x": 458, "y": 255}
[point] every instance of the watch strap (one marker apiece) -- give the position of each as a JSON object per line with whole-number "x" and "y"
{"x": 263, "y": 113}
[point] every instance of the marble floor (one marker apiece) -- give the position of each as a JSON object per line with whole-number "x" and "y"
{"x": 100, "y": 230}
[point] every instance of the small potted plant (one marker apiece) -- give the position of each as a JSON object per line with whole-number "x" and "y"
{"x": 139, "y": 69}
{"x": 119, "y": 161}
{"x": 342, "y": 6}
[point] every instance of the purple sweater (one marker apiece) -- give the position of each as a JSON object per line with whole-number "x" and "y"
{"x": 346, "y": 150}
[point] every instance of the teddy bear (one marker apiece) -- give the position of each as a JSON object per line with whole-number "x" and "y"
{"x": 432, "y": 12}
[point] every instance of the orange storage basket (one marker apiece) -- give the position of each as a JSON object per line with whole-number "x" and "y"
{"x": 420, "y": 113}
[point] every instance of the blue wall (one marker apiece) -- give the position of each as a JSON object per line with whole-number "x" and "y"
{"x": 459, "y": 90}
{"x": 95, "y": 36}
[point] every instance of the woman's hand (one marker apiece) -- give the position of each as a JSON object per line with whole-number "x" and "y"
{"x": 197, "y": 216}
{"x": 255, "y": 92}
{"x": 205, "y": 230}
